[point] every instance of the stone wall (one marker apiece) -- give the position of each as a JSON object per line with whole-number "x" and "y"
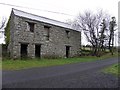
{"x": 54, "y": 47}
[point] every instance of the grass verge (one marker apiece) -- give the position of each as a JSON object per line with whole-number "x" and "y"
{"x": 113, "y": 69}
{"x": 30, "y": 63}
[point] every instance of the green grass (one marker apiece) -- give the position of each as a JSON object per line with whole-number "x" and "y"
{"x": 30, "y": 63}
{"x": 112, "y": 69}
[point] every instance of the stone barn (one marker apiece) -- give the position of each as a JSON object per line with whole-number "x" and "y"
{"x": 29, "y": 35}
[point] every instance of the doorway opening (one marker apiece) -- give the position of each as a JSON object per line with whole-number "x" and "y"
{"x": 67, "y": 51}
{"x": 38, "y": 51}
{"x": 24, "y": 50}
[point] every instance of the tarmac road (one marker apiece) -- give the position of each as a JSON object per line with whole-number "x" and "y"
{"x": 79, "y": 75}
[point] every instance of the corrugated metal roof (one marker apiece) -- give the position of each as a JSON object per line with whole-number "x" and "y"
{"x": 42, "y": 19}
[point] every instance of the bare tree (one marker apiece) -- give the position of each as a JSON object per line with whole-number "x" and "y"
{"x": 94, "y": 27}
{"x": 111, "y": 37}
{"x": 102, "y": 36}
{"x": 2, "y": 23}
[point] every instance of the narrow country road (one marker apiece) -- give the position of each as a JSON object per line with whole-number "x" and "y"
{"x": 79, "y": 75}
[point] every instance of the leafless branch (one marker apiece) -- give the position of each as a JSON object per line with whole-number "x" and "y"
{"x": 2, "y": 23}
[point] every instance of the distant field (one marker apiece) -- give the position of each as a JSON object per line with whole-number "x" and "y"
{"x": 30, "y": 63}
{"x": 90, "y": 48}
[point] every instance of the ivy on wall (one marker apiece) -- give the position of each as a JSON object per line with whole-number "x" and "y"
{"x": 7, "y": 32}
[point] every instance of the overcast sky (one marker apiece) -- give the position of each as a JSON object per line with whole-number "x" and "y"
{"x": 61, "y": 10}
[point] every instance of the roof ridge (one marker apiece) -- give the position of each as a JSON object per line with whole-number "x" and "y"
{"x": 40, "y": 16}
{"x": 42, "y": 19}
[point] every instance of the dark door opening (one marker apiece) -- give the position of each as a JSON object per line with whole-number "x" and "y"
{"x": 67, "y": 51}
{"x": 38, "y": 51}
{"x": 24, "y": 50}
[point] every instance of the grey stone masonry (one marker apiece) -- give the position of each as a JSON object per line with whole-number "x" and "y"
{"x": 53, "y": 39}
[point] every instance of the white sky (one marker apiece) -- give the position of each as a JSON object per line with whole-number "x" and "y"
{"x": 71, "y": 7}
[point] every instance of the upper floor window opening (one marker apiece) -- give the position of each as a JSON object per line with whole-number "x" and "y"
{"x": 67, "y": 33}
{"x": 31, "y": 26}
{"x": 47, "y": 30}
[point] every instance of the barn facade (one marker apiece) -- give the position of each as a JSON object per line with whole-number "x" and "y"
{"x": 35, "y": 36}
